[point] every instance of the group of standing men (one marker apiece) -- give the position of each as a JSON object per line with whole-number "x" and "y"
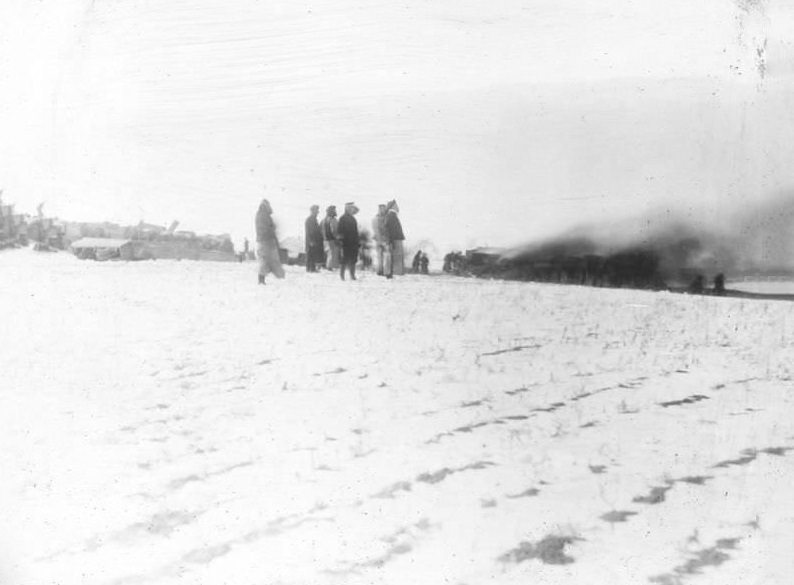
{"x": 332, "y": 242}
{"x": 336, "y": 243}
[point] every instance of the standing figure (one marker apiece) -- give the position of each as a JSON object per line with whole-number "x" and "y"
{"x": 314, "y": 239}
{"x": 349, "y": 240}
{"x": 393, "y": 256}
{"x": 719, "y": 284}
{"x": 364, "y": 250}
{"x": 425, "y": 264}
{"x": 267, "y": 243}
{"x": 379, "y": 235}
{"x": 329, "y": 228}
{"x": 417, "y": 262}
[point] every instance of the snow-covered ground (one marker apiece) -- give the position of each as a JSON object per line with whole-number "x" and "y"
{"x": 171, "y": 423}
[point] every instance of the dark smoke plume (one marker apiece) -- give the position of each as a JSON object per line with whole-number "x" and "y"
{"x": 754, "y": 241}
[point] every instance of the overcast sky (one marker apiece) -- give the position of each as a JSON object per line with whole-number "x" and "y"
{"x": 492, "y": 122}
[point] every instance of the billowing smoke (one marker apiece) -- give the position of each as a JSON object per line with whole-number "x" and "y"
{"x": 764, "y": 236}
{"x": 754, "y": 240}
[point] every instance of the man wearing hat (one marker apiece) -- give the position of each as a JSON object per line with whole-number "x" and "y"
{"x": 314, "y": 239}
{"x": 329, "y": 228}
{"x": 393, "y": 230}
{"x": 348, "y": 237}
{"x": 379, "y": 235}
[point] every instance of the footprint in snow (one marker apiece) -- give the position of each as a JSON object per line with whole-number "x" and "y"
{"x": 550, "y": 550}
{"x": 656, "y": 496}
{"x": 528, "y": 493}
{"x": 616, "y": 516}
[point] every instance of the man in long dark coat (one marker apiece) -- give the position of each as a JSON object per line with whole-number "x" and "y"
{"x": 314, "y": 239}
{"x": 349, "y": 240}
{"x": 416, "y": 264}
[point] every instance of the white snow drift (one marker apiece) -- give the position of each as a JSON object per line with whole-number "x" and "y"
{"x": 173, "y": 423}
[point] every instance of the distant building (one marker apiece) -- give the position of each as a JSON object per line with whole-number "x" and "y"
{"x": 292, "y": 250}
{"x": 46, "y": 232}
{"x": 148, "y": 231}
{"x": 106, "y": 240}
{"x": 109, "y": 249}
{"x": 483, "y": 256}
{"x": 8, "y": 232}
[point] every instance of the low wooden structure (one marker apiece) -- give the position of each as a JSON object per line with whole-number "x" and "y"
{"x": 108, "y": 249}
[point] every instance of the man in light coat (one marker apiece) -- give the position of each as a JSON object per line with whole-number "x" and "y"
{"x": 267, "y": 243}
{"x": 378, "y": 229}
{"x": 330, "y": 227}
{"x": 394, "y": 257}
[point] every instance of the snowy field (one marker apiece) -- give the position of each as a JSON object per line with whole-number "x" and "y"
{"x": 172, "y": 423}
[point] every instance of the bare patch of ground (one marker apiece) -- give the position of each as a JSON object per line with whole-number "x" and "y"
{"x": 511, "y": 349}
{"x": 389, "y": 492}
{"x": 617, "y": 516}
{"x": 531, "y": 492}
{"x": 688, "y": 400}
{"x": 656, "y": 495}
{"x": 442, "y": 474}
{"x": 550, "y": 550}
{"x": 713, "y": 556}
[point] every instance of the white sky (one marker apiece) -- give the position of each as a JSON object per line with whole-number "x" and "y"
{"x": 491, "y": 122}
